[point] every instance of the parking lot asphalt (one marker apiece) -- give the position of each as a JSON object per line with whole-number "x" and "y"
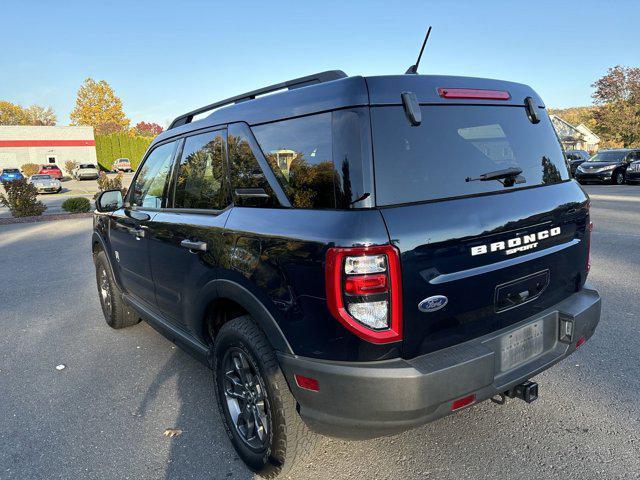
{"x": 70, "y": 188}
{"x": 102, "y": 416}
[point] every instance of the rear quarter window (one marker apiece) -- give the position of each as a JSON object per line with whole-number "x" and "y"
{"x": 320, "y": 160}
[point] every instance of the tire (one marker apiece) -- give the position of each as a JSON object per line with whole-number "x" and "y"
{"x": 285, "y": 438}
{"x": 618, "y": 178}
{"x": 116, "y": 313}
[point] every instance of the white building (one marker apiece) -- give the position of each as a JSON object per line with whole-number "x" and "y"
{"x": 35, "y": 144}
{"x": 575, "y": 137}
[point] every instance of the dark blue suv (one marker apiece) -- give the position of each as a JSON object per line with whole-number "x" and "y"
{"x": 354, "y": 256}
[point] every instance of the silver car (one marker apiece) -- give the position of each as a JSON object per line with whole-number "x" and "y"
{"x": 45, "y": 183}
{"x": 85, "y": 171}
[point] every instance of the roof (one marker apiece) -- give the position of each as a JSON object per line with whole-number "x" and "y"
{"x": 348, "y": 92}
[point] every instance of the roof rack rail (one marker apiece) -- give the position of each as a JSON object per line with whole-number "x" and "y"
{"x": 290, "y": 85}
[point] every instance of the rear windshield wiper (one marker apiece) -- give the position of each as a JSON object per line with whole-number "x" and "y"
{"x": 508, "y": 177}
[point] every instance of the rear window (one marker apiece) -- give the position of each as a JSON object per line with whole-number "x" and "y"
{"x": 10, "y": 170}
{"x": 455, "y": 144}
{"x": 87, "y": 165}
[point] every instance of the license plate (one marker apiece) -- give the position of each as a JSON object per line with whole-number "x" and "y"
{"x": 521, "y": 345}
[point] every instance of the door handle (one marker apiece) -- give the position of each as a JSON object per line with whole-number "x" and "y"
{"x": 139, "y": 232}
{"x": 199, "y": 246}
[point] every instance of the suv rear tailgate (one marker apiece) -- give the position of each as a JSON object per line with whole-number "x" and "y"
{"x": 436, "y": 241}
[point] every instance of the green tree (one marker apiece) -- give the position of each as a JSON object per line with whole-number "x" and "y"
{"x": 617, "y": 97}
{"x": 97, "y": 105}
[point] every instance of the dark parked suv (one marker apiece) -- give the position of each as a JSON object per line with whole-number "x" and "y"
{"x": 354, "y": 256}
{"x": 607, "y": 166}
{"x": 575, "y": 158}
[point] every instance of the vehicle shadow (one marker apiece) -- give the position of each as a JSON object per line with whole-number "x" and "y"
{"x": 202, "y": 449}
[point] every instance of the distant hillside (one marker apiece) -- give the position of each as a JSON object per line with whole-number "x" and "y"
{"x": 576, "y": 115}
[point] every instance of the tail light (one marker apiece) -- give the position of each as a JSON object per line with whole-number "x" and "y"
{"x": 364, "y": 291}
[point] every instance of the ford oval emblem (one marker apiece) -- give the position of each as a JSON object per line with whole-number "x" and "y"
{"x": 433, "y": 304}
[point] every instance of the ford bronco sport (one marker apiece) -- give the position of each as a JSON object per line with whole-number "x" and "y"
{"x": 354, "y": 256}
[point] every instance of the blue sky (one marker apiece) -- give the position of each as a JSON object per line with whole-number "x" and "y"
{"x": 164, "y": 58}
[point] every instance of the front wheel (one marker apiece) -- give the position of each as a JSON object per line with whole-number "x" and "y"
{"x": 116, "y": 313}
{"x": 618, "y": 178}
{"x": 258, "y": 409}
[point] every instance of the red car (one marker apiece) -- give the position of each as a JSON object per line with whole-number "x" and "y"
{"x": 51, "y": 170}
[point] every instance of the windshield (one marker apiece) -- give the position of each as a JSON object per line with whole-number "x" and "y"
{"x": 87, "y": 165}
{"x": 608, "y": 157}
{"x": 41, "y": 177}
{"x": 456, "y": 144}
{"x": 10, "y": 170}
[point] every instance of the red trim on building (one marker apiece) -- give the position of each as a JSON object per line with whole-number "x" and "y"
{"x": 47, "y": 143}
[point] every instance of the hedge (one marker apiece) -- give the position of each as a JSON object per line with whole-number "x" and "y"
{"x": 120, "y": 145}
{"x": 76, "y": 205}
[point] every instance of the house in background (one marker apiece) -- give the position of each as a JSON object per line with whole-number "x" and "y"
{"x": 575, "y": 137}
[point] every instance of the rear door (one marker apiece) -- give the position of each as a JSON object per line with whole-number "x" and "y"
{"x": 186, "y": 237}
{"x": 498, "y": 251}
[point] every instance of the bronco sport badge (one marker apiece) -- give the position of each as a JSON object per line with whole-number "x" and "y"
{"x": 516, "y": 244}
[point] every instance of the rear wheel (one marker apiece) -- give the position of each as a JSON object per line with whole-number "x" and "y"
{"x": 258, "y": 409}
{"x": 116, "y": 313}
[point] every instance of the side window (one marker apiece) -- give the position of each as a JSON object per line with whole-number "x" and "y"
{"x": 300, "y": 153}
{"x": 149, "y": 186}
{"x": 245, "y": 170}
{"x": 201, "y": 176}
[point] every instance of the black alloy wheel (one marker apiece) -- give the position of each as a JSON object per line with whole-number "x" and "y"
{"x": 246, "y": 399}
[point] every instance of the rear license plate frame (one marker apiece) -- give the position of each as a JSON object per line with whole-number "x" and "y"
{"x": 521, "y": 345}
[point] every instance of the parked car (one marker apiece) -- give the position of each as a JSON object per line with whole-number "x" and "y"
{"x": 122, "y": 165}
{"x": 86, "y": 171}
{"x": 575, "y": 158}
{"x": 607, "y": 166}
{"x": 633, "y": 173}
{"x": 327, "y": 299}
{"x": 52, "y": 170}
{"x": 9, "y": 174}
{"x": 45, "y": 183}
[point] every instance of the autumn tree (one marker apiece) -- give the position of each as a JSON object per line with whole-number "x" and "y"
{"x": 37, "y": 115}
{"x": 12, "y": 114}
{"x": 97, "y": 105}
{"x": 148, "y": 129}
{"x": 617, "y": 97}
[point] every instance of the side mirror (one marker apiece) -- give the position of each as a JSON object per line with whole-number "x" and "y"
{"x": 109, "y": 201}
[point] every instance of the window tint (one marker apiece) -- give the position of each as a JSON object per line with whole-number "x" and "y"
{"x": 149, "y": 186}
{"x": 454, "y": 145}
{"x": 200, "y": 181}
{"x": 300, "y": 153}
{"x": 245, "y": 170}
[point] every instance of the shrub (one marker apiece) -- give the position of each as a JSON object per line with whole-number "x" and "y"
{"x": 76, "y": 205}
{"x": 106, "y": 183}
{"x": 21, "y": 198}
{"x": 69, "y": 166}
{"x": 29, "y": 169}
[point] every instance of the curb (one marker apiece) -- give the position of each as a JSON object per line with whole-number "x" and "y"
{"x": 44, "y": 218}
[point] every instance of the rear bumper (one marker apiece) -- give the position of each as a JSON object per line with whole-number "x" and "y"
{"x": 364, "y": 400}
